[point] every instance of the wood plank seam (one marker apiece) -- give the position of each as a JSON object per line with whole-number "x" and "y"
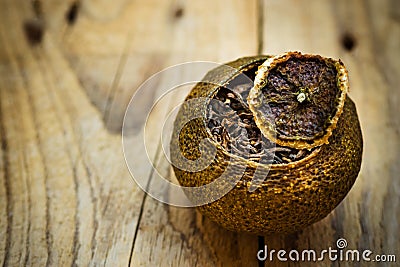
{"x": 260, "y": 27}
{"x": 145, "y": 195}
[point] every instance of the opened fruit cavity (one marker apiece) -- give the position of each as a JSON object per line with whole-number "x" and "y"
{"x": 290, "y": 110}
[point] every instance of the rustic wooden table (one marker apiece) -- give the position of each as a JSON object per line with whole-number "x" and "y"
{"x": 67, "y": 72}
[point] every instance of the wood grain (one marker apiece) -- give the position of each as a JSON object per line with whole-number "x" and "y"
{"x": 370, "y": 210}
{"x": 66, "y": 196}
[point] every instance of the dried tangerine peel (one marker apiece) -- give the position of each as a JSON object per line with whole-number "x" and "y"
{"x": 297, "y": 99}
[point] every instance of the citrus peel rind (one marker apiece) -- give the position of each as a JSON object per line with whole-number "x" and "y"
{"x": 300, "y": 99}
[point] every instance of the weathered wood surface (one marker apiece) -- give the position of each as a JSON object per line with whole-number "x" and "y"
{"x": 66, "y": 196}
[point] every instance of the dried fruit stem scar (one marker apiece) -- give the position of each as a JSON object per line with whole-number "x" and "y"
{"x": 301, "y": 97}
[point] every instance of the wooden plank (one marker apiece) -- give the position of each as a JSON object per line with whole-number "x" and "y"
{"x": 368, "y": 218}
{"x": 172, "y": 236}
{"x": 63, "y": 173}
